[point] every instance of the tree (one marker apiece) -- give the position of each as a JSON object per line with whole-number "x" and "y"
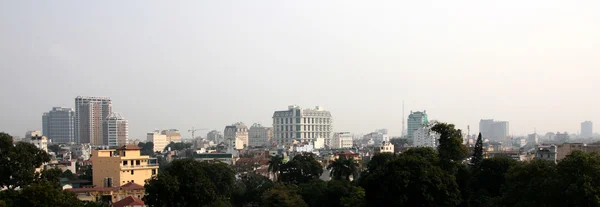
{"x": 18, "y": 162}
{"x": 579, "y": 179}
{"x": 477, "y": 152}
{"x": 410, "y": 180}
{"x": 303, "y": 168}
{"x": 251, "y": 188}
{"x": 178, "y": 146}
{"x": 51, "y": 176}
{"x": 379, "y": 160}
{"x": 86, "y": 173}
{"x": 275, "y": 165}
{"x": 537, "y": 179}
{"x": 314, "y": 192}
{"x": 54, "y": 148}
{"x": 343, "y": 168}
{"x": 68, "y": 175}
{"x": 46, "y": 194}
{"x": 488, "y": 178}
{"x": 187, "y": 182}
{"x": 398, "y": 142}
{"x": 147, "y": 148}
{"x": 450, "y": 148}
{"x": 283, "y": 196}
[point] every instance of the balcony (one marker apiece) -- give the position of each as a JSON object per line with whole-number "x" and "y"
{"x": 139, "y": 166}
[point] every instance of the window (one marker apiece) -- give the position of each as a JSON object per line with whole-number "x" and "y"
{"x": 153, "y": 171}
{"x": 137, "y": 162}
{"x": 125, "y": 163}
{"x": 132, "y": 172}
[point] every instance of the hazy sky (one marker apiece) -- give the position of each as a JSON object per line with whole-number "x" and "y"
{"x": 207, "y": 64}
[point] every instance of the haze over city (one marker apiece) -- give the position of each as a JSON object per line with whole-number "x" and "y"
{"x": 210, "y": 64}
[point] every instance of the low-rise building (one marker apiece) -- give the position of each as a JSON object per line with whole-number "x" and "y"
{"x": 546, "y": 153}
{"x": 109, "y": 194}
{"x": 116, "y": 168}
{"x": 384, "y": 147}
{"x": 173, "y": 135}
{"x": 159, "y": 140}
{"x": 377, "y": 137}
{"x": 259, "y": 135}
{"x": 226, "y": 158}
{"x": 341, "y": 140}
{"x": 40, "y": 142}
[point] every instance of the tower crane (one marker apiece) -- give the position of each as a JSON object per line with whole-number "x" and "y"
{"x": 193, "y": 130}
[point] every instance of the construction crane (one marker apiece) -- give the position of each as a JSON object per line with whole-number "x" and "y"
{"x": 195, "y": 130}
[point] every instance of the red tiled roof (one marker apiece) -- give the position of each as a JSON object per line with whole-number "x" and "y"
{"x": 129, "y": 147}
{"x": 128, "y": 186}
{"x": 129, "y": 201}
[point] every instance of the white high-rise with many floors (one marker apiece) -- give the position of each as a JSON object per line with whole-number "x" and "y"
{"x": 303, "y": 125}
{"x": 424, "y": 137}
{"x": 341, "y": 140}
{"x": 116, "y": 130}
{"x": 90, "y": 114}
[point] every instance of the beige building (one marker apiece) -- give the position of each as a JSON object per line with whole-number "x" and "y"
{"x": 303, "y": 125}
{"x": 116, "y": 130}
{"x": 173, "y": 135}
{"x": 160, "y": 140}
{"x": 90, "y": 114}
{"x": 113, "y": 168}
{"x": 237, "y": 135}
{"x": 341, "y": 140}
{"x": 112, "y": 194}
{"x": 40, "y": 142}
{"x": 385, "y": 147}
{"x": 259, "y": 135}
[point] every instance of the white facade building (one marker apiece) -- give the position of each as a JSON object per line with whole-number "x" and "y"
{"x": 377, "y": 137}
{"x": 160, "y": 140}
{"x": 259, "y": 135}
{"x": 424, "y": 137}
{"x": 40, "y": 142}
{"x": 116, "y": 130}
{"x": 30, "y": 134}
{"x": 237, "y": 135}
{"x": 303, "y": 125}
{"x": 384, "y": 147}
{"x": 341, "y": 140}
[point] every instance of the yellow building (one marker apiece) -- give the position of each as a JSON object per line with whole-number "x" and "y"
{"x": 112, "y": 168}
{"x": 112, "y": 194}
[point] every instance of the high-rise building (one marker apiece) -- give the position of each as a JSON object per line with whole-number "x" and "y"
{"x": 259, "y": 135}
{"x": 303, "y": 125}
{"x": 159, "y": 140}
{"x": 215, "y": 136}
{"x": 116, "y": 130}
{"x": 587, "y": 129}
{"x": 58, "y": 125}
{"x": 173, "y": 135}
{"x": 494, "y": 130}
{"x": 424, "y": 137}
{"x": 561, "y": 137}
{"x": 416, "y": 120}
{"x": 533, "y": 139}
{"x": 341, "y": 140}
{"x": 90, "y": 114}
{"x": 236, "y": 135}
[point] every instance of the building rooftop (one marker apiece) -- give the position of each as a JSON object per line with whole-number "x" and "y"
{"x": 129, "y": 201}
{"x": 128, "y": 186}
{"x": 130, "y": 147}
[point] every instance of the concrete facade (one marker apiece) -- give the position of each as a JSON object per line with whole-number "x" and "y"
{"x": 112, "y": 168}
{"x": 587, "y": 129}
{"x": 116, "y": 130}
{"x": 424, "y": 137}
{"x": 494, "y": 130}
{"x": 173, "y": 135}
{"x": 236, "y": 135}
{"x": 90, "y": 114}
{"x": 58, "y": 125}
{"x": 416, "y": 120}
{"x": 303, "y": 125}
{"x": 259, "y": 135}
{"x": 159, "y": 140}
{"x": 341, "y": 140}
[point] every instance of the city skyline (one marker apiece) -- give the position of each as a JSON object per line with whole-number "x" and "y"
{"x": 461, "y": 61}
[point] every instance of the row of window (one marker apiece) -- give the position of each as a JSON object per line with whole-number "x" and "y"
{"x": 304, "y": 135}
{"x": 304, "y": 128}
{"x": 304, "y": 120}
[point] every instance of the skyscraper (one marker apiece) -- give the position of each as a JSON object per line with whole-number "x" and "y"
{"x": 416, "y": 120}
{"x": 494, "y": 130}
{"x": 90, "y": 113}
{"x": 58, "y": 125}
{"x": 116, "y": 131}
{"x": 587, "y": 129}
{"x": 304, "y": 125}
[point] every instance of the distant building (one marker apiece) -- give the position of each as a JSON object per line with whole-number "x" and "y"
{"x": 30, "y": 134}
{"x": 159, "y": 140}
{"x": 58, "y": 125}
{"x": 215, "y": 136}
{"x": 116, "y": 130}
{"x": 561, "y": 137}
{"x": 112, "y": 194}
{"x": 40, "y": 142}
{"x": 494, "y": 130}
{"x": 546, "y": 153}
{"x": 90, "y": 114}
{"x": 377, "y": 137}
{"x": 259, "y": 135}
{"x": 341, "y": 140}
{"x": 587, "y": 129}
{"x": 562, "y": 150}
{"x": 424, "y": 137}
{"x": 533, "y": 139}
{"x": 416, "y": 120}
{"x": 303, "y": 125}
{"x": 173, "y": 135}
{"x": 237, "y": 135}
{"x": 385, "y": 147}
{"x": 112, "y": 168}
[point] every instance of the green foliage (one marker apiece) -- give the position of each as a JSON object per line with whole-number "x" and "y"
{"x": 489, "y": 176}
{"x": 579, "y": 179}
{"x": 303, "y": 168}
{"x": 68, "y": 175}
{"x": 411, "y": 180}
{"x": 178, "y": 146}
{"x": 18, "y": 162}
{"x": 187, "y": 182}
{"x": 147, "y": 148}
{"x": 379, "y": 160}
{"x": 450, "y": 146}
{"x": 283, "y": 196}
{"x": 400, "y": 141}
{"x": 343, "y": 168}
{"x": 537, "y": 179}
{"x": 40, "y": 194}
{"x": 86, "y": 173}
{"x": 477, "y": 152}
{"x": 51, "y": 176}
{"x": 250, "y": 189}
{"x": 275, "y": 165}
{"x": 54, "y": 148}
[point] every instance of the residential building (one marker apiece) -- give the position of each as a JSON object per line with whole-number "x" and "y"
{"x": 304, "y": 147}
{"x": 424, "y": 137}
{"x": 58, "y": 125}
{"x": 533, "y": 139}
{"x": 303, "y": 125}
{"x": 377, "y": 137}
{"x": 226, "y": 158}
{"x": 159, "y": 140}
{"x": 563, "y": 150}
{"x": 237, "y": 135}
{"x": 416, "y": 120}
{"x": 114, "y": 168}
{"x": 116, "y": 130}
{"x": 341, "y": 140}
{"x": 259, "y": 135}
{"x": 173, "y": 135}
{"x": 109, "y": 194}
{"x": 561, "y": 137}
{"x": 215, "y": 136}
{"x": 90, "y": 115}
{"x": 385, "y": 147}
{"x": 40, "y": 142}
{"x": 30, "y": 134}
{"x": 546, "y": 153}
{"x": 494, "y": 130}
{"x": 587, "y": 129}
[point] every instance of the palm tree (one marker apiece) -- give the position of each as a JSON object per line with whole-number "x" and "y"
{"x": 343, "y": 168}
{"x": 275, "y": 165}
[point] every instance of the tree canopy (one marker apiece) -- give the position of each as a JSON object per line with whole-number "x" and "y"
{"x": 18, "y": 162}
{"x": 302, "y": 168}
{"x": 178, "y": 146}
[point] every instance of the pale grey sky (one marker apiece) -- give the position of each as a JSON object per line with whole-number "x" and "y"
{"x": 207, "y": 64}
